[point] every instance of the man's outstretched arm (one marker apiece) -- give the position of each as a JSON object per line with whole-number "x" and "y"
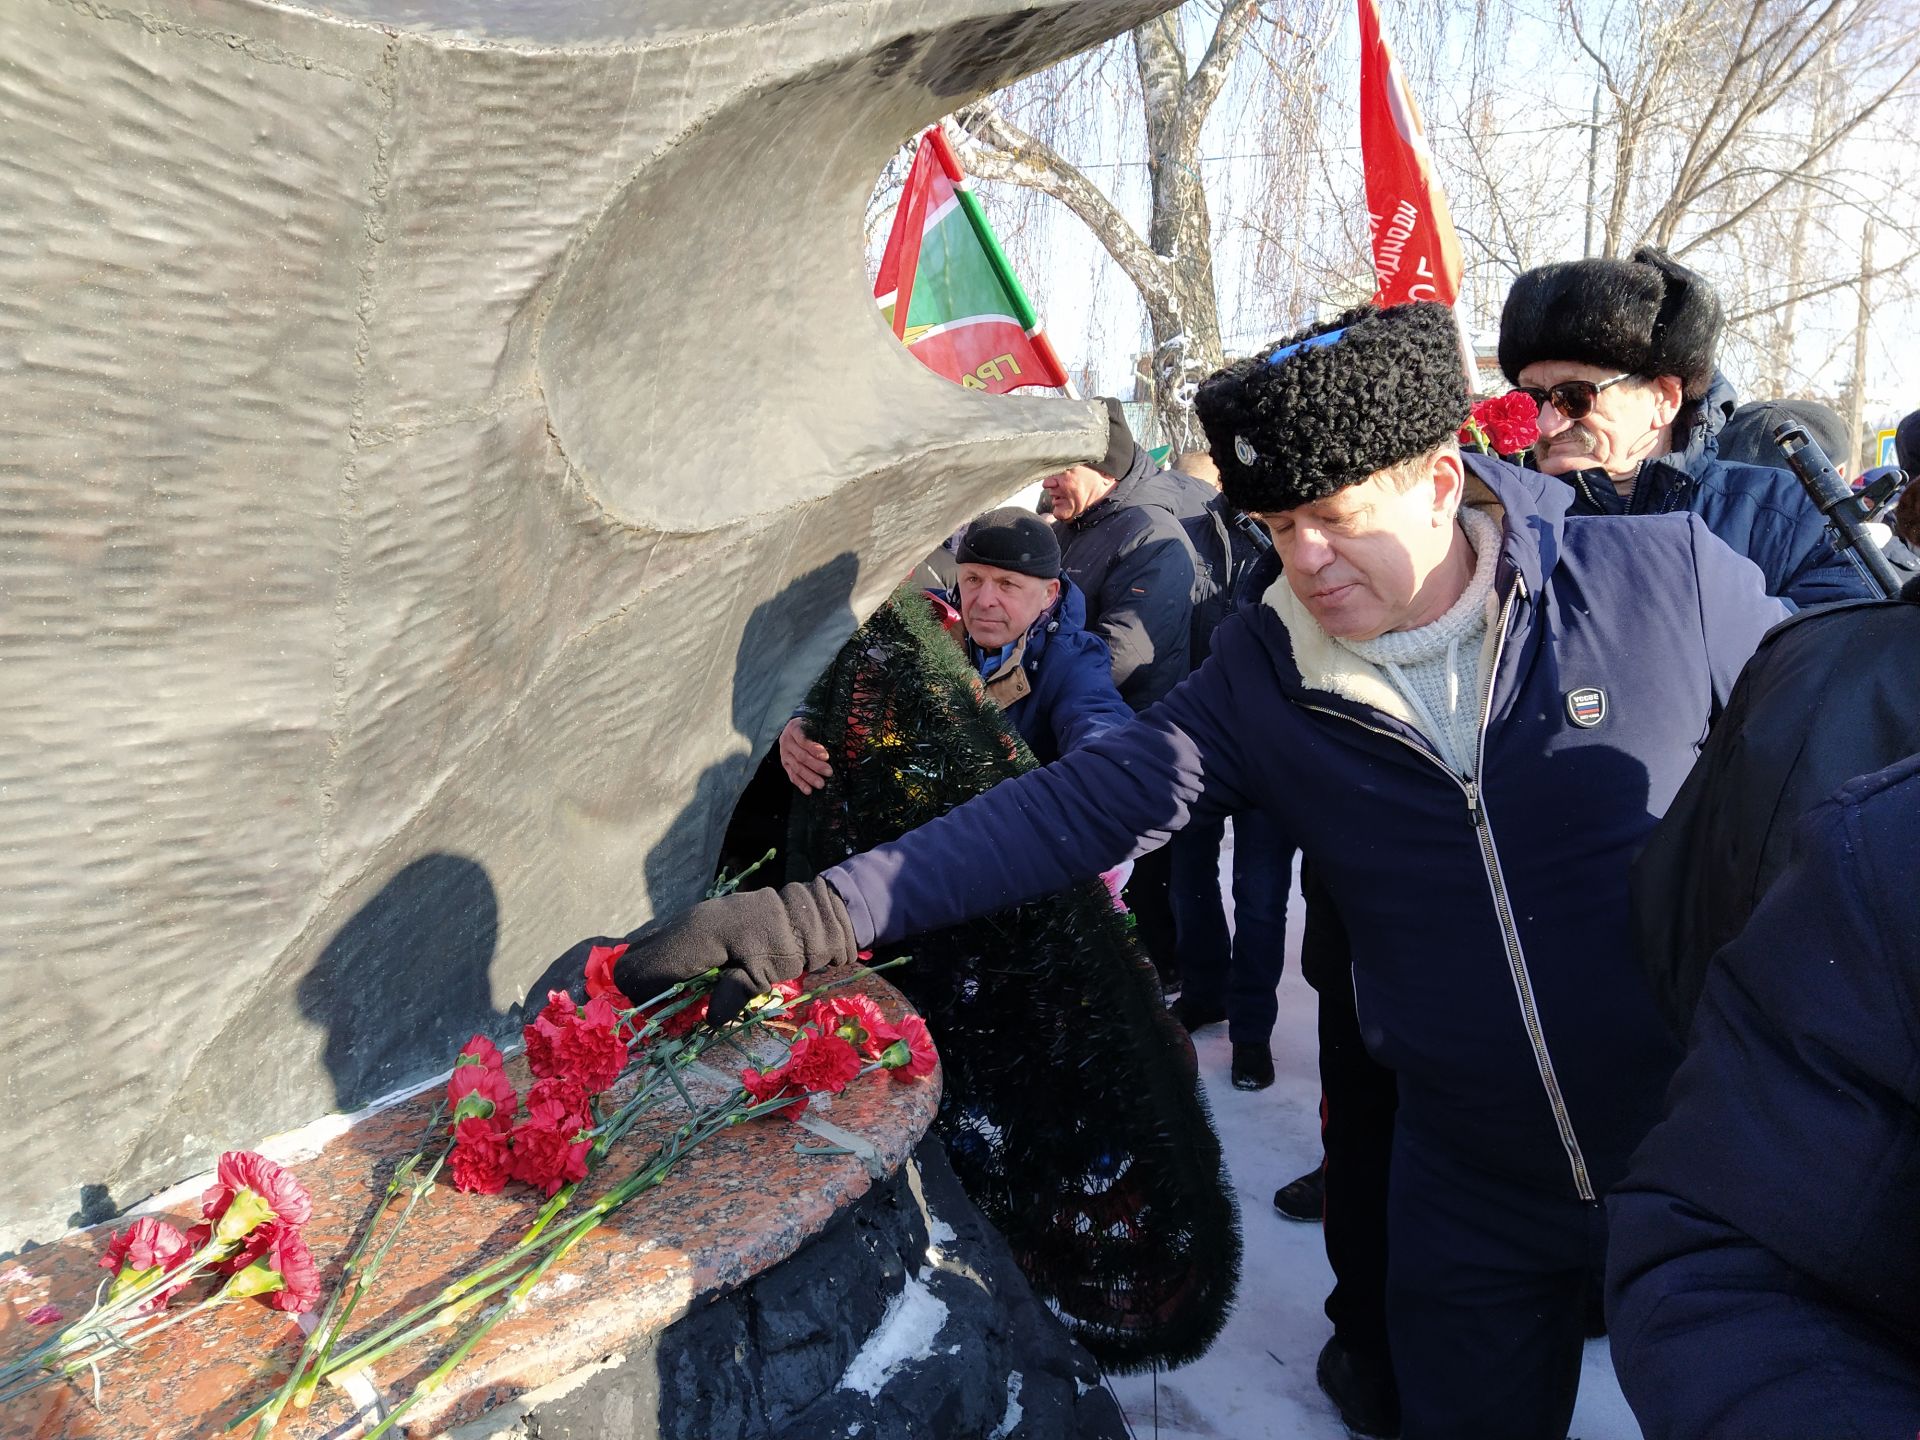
{"x": 1123, "y": 794}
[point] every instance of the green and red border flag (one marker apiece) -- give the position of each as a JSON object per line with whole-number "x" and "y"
{"x": 947, "y": 290}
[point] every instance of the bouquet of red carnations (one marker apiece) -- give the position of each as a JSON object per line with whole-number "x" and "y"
{"x": 1503, "y": 425}
{"x": 247, "y": 1244}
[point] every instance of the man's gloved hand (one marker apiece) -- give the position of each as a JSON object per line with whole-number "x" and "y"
{"x": 756, "y": 937}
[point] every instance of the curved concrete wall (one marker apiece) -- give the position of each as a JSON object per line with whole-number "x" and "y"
{"x": 438, "y": 442}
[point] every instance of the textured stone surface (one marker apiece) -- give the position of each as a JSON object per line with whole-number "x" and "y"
{"x": 438, "y": 441}
{"x": 736, "y": 1209}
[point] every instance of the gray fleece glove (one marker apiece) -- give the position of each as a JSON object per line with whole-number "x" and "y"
{"x": 756, "y": 937}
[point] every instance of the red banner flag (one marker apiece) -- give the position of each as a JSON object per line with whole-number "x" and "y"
{"x": 1416, "y": 255}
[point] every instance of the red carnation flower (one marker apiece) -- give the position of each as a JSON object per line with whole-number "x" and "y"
{"x": 855, "y": 1019}
{"x": 821, "y": 1063}
{"x": 281, "y": 1268}
{"x": 147, "y": 1244}
{"x": 547, "y": 1158}
{"x": 143, "y": 1252}
{"x": 1502, "y": 424}
{"x": 580, "y": 1044}
{"x": 600, "y": 984}
{"x": 294, "y": 1261}
{"x": 543, "y": 1035}
{"x": 481, "y": 1092}
{"x": 479, "y": 1050}
{"x": 45, "y": 1315}
{"x": 558, "y": 1101}
{"x": 480, "y": 1157}
{"x": 248, "y": 1191}
{"x": 920, "y": 1054}
{"x": 590, "y": 1050}
{"x": 764, "y": 1085}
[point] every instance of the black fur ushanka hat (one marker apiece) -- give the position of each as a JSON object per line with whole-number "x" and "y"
{"x": 1329, "y": 406}
{"x": 1649, "y": 315}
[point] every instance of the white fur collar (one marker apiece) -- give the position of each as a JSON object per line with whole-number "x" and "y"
{"x": 1326, "y": 665}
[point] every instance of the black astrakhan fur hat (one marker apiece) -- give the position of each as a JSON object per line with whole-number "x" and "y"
{"x": 1329, "y": 406}
{"x": 1646, "y": 316}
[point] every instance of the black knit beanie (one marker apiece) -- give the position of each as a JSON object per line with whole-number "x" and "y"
{"x": 1326, "y": 408}
{"x": 1649, "y": 315}
{"x": 1747, "y": 437}
{"x": 1121, "y": 445}
{"x": 1012, "y": 539}
{"x": 1906, "y": 444}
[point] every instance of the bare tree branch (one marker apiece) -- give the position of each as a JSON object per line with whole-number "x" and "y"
{"x": 1236, "y": 21}
{"x": 997, "y": 149}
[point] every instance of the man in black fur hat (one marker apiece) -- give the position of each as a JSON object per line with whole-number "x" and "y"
{"x": 1619, "y": 356}
{"x": 1439, "y": 704}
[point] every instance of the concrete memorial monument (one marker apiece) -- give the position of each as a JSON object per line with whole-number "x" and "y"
{"x": 439, "y": 439}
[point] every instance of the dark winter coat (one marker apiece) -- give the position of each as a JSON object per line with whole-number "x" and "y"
{"x": 1488, "y": 920}
{"x": 1227, "y": 559}
{"x": 1130, "y": 557}
{"x": 1763, "y": 514}
{"x": 1831, "y": 694}
{"x": 1057, "y": 688}
{"x": 1764, "y": 1272}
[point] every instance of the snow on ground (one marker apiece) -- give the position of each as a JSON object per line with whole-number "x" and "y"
{"x": 1256, "y": 1383}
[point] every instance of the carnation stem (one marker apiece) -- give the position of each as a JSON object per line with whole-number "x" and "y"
{"x": 100, "y": 1345}
{"x": 458, "y": 1299}
{"x": 439, "y": 1375}
{"x": 670, "y": 1155}
{"x": 538, "y": 1249}
{"x": 354, "y": 1279}
{"x": 98, "y": 1323}
{"x": 726, "y": 884}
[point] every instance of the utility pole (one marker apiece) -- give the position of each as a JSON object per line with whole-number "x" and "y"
{"x": 1593, "y": 169}
{"x": 1855, "y": 465}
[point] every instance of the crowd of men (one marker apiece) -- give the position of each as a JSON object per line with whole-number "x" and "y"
{"x": 1467, "y": 692}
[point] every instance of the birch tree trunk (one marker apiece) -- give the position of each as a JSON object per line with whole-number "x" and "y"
{"x": 1172, "y": 264}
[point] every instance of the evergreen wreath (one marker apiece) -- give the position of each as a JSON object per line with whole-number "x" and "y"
{"x": 1072, "y": 1108}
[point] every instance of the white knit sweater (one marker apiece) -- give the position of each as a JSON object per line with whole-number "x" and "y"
{"x": 1437, "y": 666}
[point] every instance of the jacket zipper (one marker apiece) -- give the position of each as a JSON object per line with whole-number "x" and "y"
{"x": 1503, "y": 908}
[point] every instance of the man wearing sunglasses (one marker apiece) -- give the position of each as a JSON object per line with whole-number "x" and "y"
{"x": 1619, "y": 357}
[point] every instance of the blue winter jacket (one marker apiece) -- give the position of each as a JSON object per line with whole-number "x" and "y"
{"x": 1488, "y": 921}
{"x": 1764, "y": 1271}
{"x": 1070, "y": 697}
{"x": 1763, "y": 514}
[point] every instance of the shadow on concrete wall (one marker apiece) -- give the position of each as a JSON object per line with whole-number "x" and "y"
{"x": 786, "y": 643}
{"x": 405, "y": 981}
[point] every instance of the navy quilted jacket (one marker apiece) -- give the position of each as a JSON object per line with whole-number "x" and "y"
{"x": 1761, "y": 513}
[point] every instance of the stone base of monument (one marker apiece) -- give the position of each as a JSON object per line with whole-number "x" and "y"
{"x": 819, "y": 1278}
{"x": 906, "y": 1316}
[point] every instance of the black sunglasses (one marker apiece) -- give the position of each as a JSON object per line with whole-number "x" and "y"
{"x": 1572, "y": 398}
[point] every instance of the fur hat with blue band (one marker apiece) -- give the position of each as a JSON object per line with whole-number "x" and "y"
{"x": 1333, "y": 404}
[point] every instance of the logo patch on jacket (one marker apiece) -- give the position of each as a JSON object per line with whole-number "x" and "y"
{"x": 1586, "y": 707}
